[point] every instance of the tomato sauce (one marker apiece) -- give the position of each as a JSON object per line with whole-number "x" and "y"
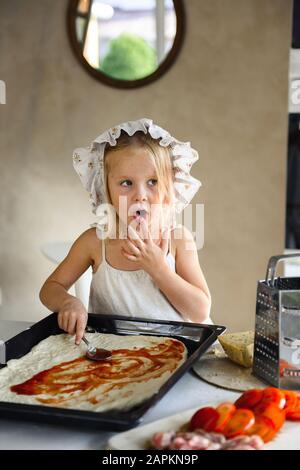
{"x": 81, "y": 376}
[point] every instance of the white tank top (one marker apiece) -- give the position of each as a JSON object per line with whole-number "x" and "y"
{"x": 130, "y": 293}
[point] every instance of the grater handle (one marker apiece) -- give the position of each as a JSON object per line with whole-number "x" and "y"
{"x": 272, "y": 265}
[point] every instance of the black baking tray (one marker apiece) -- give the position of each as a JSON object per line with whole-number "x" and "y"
{"x": 196, "y": 337}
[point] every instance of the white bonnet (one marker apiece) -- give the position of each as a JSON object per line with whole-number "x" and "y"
{"x": 88, "y": 162}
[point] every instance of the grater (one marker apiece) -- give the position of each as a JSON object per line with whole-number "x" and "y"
{"x": 277, "y": 328}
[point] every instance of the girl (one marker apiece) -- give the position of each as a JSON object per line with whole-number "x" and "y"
{"x": 143, "y": 264}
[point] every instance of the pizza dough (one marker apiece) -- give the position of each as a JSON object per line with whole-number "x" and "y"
{"x": 56, "y": 372}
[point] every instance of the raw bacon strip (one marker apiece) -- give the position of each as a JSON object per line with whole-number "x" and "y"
{"x": 213, "y": 436}
{"x": 162, "y": 440}
{"x": 254, "y": 442}
{"x": 202, "y": 440}
{"x": 242, "y": 447}
{"x": 192, "y": 443}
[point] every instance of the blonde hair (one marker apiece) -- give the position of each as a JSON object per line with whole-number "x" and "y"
{"x": 159, "y": 155}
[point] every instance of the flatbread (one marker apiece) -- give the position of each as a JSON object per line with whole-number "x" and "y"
{"x": 56, "y": 372}
{"x": 224, "y": 373}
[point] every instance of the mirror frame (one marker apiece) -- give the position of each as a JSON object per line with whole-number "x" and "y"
{"x": 114, "y": 82}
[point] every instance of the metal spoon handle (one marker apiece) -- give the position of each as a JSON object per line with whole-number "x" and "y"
{"x": 91, "y": 348}
{"x": 86, "y": 341}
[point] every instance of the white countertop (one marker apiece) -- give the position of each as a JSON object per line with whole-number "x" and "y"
{"x": 187, "y": 393}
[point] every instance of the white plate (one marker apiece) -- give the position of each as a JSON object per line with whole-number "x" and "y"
{"x": 138, "y": 438}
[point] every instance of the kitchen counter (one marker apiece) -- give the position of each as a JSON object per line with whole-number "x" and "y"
{"x": 189, "y": 392}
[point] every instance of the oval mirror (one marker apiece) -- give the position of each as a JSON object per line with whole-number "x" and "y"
{"x": 126, "y": 43}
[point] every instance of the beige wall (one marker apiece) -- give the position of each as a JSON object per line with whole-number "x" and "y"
{"x": 227, "y": 94}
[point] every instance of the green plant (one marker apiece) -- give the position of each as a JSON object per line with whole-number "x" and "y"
{"x": 129, "y": 57}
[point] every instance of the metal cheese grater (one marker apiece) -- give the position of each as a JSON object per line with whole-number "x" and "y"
{"x": 277, "y": 328}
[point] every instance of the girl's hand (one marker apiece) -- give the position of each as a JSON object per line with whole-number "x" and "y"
{"x": 144, "y": 250}
{"x": 72, "y": 318}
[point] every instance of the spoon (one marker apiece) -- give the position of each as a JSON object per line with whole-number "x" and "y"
{"x": 96, "y": 354}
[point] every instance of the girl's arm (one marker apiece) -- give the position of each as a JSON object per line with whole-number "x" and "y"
{"x": 72, "y": 315}
{"x": 186, "y": 289}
